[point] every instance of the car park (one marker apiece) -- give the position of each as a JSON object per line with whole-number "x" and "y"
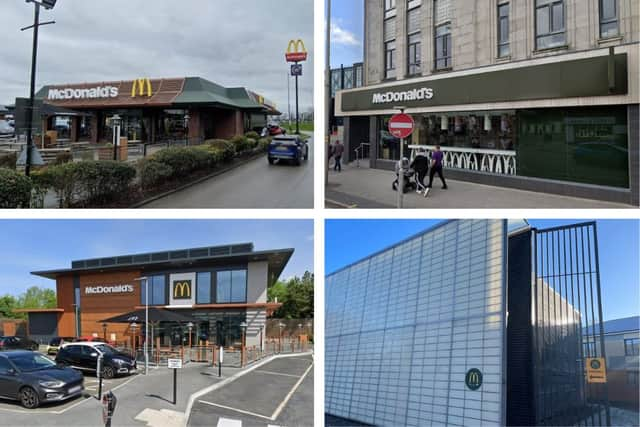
{"x": 84, "y": 357}
{"x": 17, "y": 343}
{"x": 32, "y": 379}
{"x": 288, "y": 147}
{"x": 56, "y": 342}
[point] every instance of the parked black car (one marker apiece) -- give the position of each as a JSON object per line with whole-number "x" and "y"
{"x": 17, "y": 343}
{"x": 31, "y": 378}
{"x": 84, "y": 356}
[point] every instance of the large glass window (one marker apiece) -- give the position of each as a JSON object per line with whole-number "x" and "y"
{"x": 550, "y": 24}
{"x": 389, "y": 5}
{"x": 231, "y": 286}
{"x": 632, "y": 347}
{"x": 157, "y": 290}
{"x": 443, "y": 47}
{"x": 203, "y": 291}
{"x": 390, "y": 59}
{"x": 608, "y": 18}
{"x": 414, "y": 53}
{"x": 503, "y": 30}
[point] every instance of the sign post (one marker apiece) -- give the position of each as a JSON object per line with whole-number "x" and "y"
{"x": 296, "y": 52}
{"x": 401, "y": 126}
{"x": 220, "y": 357}
{"x": 109, "y": 403}
{"x": 99, "y": 373}
{"x": 174, "y": 364}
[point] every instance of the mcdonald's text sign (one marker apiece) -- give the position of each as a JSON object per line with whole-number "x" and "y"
{"x": 296, "y": 52}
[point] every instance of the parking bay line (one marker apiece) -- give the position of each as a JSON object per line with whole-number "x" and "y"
{"x": 276, "y": 373}
{"x": 286, "y": 399}
{"x": 236, "y": 410}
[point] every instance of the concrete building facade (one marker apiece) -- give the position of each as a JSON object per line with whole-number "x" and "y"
{"x": 506, "y": 87}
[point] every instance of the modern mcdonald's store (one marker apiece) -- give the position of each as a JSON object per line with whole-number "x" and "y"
{"x": 151, "y": 110}
{"x": 220, "y": 287}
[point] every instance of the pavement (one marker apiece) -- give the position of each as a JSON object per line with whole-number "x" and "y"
{"x": 277, "y": 393}
{"x": 256, "y": 184}
{"x": 371, "y": 188}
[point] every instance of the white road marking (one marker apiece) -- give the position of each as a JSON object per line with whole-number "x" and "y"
{"x": 286, "y": 399}
{"x": 276, "y": 373}
{"x": 228, "y": 422}
{"x": 236, "y": 410}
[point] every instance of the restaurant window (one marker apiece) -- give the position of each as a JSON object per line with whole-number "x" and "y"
{"x": 609, "y": 18}
{"x": 550, "y": 24}
{"x": 62, "y": 125}
{"x": 390, "y": 61}
{"x": 503, "y": 30}
{"x": 631, "y": 347}
{"x": 414, "y": 40}
{"x": 203, "y": 288}
{"x": 231, "y": 286}
{"x": 157, "y": 290}
{"x": 389, "y": 145}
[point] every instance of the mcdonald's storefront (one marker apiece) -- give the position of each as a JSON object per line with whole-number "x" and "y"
{"x": 220, "y": 286}
{"x": 153, "y": 110}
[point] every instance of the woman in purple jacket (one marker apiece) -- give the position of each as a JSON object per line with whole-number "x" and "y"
{"x": 436, "y": 167}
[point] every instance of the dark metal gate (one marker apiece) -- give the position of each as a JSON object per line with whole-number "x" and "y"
{"x": 567, "y": 327}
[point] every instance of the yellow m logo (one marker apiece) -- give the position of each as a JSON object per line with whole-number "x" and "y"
{"x": 182, "y": 289}
{"x": 142, "y": 86}
{"x": 296, "y": 51}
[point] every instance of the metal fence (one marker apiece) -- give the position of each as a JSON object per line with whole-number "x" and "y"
{"x": 567, "y": 327}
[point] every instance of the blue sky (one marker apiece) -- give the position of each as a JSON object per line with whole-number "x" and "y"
{"x": 347, "y": 29}
{"x": 30, "y": 245}
{"x": 347, "y": 241}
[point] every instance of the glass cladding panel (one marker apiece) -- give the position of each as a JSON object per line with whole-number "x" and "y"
{"x": 223, "y": 286}
{"x": 239, "y": 286}
{"x": 157, "y": 288}
{"x": 203, "y": 293}
{"x": 430, "y": 309}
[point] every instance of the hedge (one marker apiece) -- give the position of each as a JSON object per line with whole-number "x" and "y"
{"x": 226, "y": 148}
{"x": 252, "y": 135}
{"x": 15, "y": 189}
{"x": 185, "y": 160}
{"x": 152, "y": 173}
{"x": 8, "y": 160}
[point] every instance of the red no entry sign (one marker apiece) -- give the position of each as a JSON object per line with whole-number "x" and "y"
{"x": 401, "y": 125}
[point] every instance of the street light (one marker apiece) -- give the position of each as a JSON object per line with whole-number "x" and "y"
{"x": 104, "y": 331}
{"x": 133, "y": 327}
{"x": 190, "y": 327}
{"x": 76, "y": 308}
{"x": 116, "y": 122}
{"x": 146, "y": 320}
{"x": 243, "y": 349}
{"x": 47, "y": 4}
{"x": 186, "y": 128}
{"x": 280, "y": 325}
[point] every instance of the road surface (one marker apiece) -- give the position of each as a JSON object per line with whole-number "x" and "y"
{"x": 253, "y": 185}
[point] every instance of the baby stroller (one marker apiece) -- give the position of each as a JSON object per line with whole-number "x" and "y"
{"x": 409, "y": 176}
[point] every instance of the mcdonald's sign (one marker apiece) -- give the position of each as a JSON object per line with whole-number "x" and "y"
{"x": 141, "y": 87}
{"x": 182, "y": 289}
{"x": 473, "y": 379}
{"x": 296, "y": 51}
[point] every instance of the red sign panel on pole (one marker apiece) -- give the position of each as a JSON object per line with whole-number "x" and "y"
{"x": 401, "y": 125}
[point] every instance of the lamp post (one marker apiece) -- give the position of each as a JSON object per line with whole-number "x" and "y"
{"x": 133, "y": 327}
{"x": 190, "y": 327}
{"x": 116, "y": 122}
{"x": 75, "y": 307}
{"x": 186, "y": 129}
{"x": 243, "y": 348}
{"x": 47, "y": 4}
{"x": 104, "y": 331}
{"x": 280, "y": 325}
{"x": 146, "y": 321}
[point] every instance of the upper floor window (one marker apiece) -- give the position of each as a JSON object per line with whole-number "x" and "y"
{"x": 389, "y": 5}
{"x": 414, "y": 41}
{"x": 503, "y": 30}
{"x": 443, "y": 47}
{"x": 231, "y": 286}
{"x": 203, "y": 288}
{"x": 609, "y": 18}
{"x": 632, "y": 347}
{"x": 390, "y": 59}
{"x": 157, "y": 290}
{"x": 550, "y": 27}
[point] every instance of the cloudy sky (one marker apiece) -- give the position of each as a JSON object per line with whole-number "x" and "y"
{"x": 347, "y": 30}
{"x": 226, "y": 41}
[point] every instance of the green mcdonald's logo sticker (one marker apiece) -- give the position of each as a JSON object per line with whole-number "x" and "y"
{"x": 473, "y": 379}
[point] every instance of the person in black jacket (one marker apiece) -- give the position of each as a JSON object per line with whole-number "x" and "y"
{"x": 420, "y": 164}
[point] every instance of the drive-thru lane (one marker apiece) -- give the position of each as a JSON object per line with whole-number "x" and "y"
{"x": 253, "y": 185}
{"x": 279, "y": 392}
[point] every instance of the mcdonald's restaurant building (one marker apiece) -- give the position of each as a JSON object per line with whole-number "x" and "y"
{"x": 152, "y": 110}
{"x": 220, "y": 286}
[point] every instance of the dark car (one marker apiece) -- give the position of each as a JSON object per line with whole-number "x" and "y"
{"x": 17, "y": 343}
{"x": 31, "y": 378}
{"x": 288, "y": 147}
{"x": 84, "y": 356}
{"x": 56, "y": 342}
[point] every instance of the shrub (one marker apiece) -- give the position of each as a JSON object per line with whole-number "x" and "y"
{"x": 226, "y": 148}
{"x": 242, "y": 143}
{"x": 263, "y": 144}
{"x": 252, "y": 135}
{"x": 15, "y": 189}
{"x": 63, "y": 157}
{"x": 8, "y": 160}
{"x": 153, "y": 173}
{"x": 184, "y": 160}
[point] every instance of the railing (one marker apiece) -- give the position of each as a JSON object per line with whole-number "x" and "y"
{"x": 360, "y": 152}
{"x": 475, "y": 159}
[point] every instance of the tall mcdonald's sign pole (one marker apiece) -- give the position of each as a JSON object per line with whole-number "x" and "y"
{"x": 296, "y": 53}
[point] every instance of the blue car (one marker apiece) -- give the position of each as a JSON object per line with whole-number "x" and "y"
{"x": 288, "y": 147}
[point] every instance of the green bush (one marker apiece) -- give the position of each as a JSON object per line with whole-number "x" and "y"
{"x": 226, "y": 148}
{"x": 252, "y": 135}
{"x": 8, "y": 160}
{"x": 242, "y": 143}
{"x": 263, "y": 144}
{"x": 153, "y": 173}
{"x": 15, "y": 189}
{"x": 185, "y": 160}
{"x": 63, "y": 157}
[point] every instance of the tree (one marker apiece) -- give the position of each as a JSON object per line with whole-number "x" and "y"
{"x": 296, "y": 296}
{"x": 7, "y": 304}
{"x": 34, "y": 297}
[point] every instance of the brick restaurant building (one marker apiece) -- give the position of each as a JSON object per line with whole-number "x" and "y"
{"x": 152, "y": 110}
{"x": 220, "y": 286}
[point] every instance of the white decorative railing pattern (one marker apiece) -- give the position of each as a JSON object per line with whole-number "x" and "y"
{"x": 476, "y": 159}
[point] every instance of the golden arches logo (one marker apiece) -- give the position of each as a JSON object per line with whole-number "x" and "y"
{"x": 142, "y": 86}
{"x": 296, "y": 51}
{"x": 182, "y": 289}
{"x": 473, "y": 379}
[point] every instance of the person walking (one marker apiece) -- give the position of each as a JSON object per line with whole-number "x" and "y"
{"x": 436, "y": 167}
{"x": 337, "y": 155}
{"x": 331, "y": 152}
